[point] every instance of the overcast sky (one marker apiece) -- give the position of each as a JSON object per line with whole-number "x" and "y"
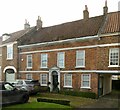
{"x": 14, "y": 12}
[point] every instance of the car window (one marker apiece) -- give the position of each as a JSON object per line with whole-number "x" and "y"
{"x": 27, "y": 82}
{"x": 20, "y": 82}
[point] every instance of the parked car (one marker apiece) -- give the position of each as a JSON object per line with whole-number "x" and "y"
{"x": 9, "y": 94}
{"x": 32, "y": 86}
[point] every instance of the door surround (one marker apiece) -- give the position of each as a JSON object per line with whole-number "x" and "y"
{"x": 56, "y": 69}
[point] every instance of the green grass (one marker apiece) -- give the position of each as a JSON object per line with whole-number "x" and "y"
{"x": 36, "y": 105}
{"x": 75, "y": 101}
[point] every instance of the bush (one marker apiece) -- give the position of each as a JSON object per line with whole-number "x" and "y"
{"x": 79, "y": 93}
{"x": 44, "y": 89}
{"x": 62, "y": 102}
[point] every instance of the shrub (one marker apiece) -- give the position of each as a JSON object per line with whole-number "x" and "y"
{"x": 62, "y": 102}
{"x": 44, "y": 89}
{"x": 79, "y": 93}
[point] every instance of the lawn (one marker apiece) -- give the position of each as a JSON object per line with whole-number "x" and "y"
{"x": 34, "y": 105}
{"x": 75, "y": 102}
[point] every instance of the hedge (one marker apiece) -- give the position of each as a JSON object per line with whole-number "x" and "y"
{"x": 79, "y": 93}
{"x": 57, "y": 101}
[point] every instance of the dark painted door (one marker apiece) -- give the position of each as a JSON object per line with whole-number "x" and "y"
{"x": 55, "y": 80}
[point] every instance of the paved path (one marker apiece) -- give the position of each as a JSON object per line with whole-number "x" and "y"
{"x": 109, "y": 101}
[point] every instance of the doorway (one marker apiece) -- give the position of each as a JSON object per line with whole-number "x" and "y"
{"x": 55, "y": 81}
{"x": 101, "y": 85}
{"x": 10, "y": 75}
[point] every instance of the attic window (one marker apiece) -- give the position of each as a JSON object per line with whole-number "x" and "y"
{"x": 5, "y": 37}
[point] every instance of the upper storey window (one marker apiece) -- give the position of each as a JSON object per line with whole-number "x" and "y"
{"x": 44, "y": 60}
{"x": 10, "y": 51}
{"x": 61, "y": 59}
{"x": 80, "y": 58}
{"x": 29, "y": 61}
{"x": 114, "y": 57}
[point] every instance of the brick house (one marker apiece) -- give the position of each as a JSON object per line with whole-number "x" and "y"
{"x": 79, "y": 55}
{"x": 9, "y": 53}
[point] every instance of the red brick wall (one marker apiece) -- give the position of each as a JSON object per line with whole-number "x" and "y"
{"x": 95, "y": 59}
{"x": 13, "y": 62}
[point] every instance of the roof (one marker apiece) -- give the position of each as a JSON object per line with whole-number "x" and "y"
{"x": 76, "y": 29}
{"x": 112, "y": 23}
{"x": 16, "y": 35}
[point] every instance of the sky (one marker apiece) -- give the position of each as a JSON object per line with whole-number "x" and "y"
{"x": 52, "y": 12}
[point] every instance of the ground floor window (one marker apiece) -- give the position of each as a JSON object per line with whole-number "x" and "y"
{"x": 43, "y": 79}
{"x": 29, "y": 76}
{"x": 67, "y": 80}
{"x": 85, "y": 80}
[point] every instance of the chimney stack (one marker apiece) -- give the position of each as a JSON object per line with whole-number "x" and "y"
{"x": 105, "y": 8}
{"x": 26, "y": 25}
{"x": 86, "y": 13}
{"x": 39, "y": 23}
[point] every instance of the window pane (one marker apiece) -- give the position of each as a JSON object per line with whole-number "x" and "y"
{"x": 114, "y": 56}
{"x": 43, "y": 79}
{"x": 85, "y": 80}
{"x": 10, "y": 51}
{"x": 67, "y": 80}
{"x": 60, "y": 60}
{"x": 44, "y": 60}
{"x": 29, "y": 76}
{"x": 29, "y": 60}
{"x": 80, "y": 58}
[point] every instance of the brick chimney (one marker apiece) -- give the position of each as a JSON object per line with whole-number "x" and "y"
{"x": 26, "y": 25}
{"x": 39, "y": 23}
{"x": 105, "y": 8}
{"x": 86, "y": 13}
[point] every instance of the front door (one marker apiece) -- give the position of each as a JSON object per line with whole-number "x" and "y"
{"x": 55, "y": 81}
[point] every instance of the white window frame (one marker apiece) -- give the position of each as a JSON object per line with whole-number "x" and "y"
{"x": 61, "y": 60}
{"x": 29, "y": 67}
{"x": 82, "y": 81}
{"x": 29, "y": 76}
{"x": 43, "y": 77}
{"x": 116, "y": 50}
{"x": 10, "y": 52}
{"x": 68, "y": 75}
{"x": 44, "y": 59}
{"x": 80, "y": 59}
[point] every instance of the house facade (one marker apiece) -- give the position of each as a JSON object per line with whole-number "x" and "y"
{"x": 80, "y": 55}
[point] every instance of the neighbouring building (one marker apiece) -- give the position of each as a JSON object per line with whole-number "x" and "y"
{"x": 10, "y": 54}
{"x": 80, "y": 55}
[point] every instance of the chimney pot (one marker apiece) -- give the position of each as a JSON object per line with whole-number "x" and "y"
{"x": 105, "y": 8}
{"x": 39, "y": 22}
{"x": 86, "y": 13}
{"x": 26, "y": 25}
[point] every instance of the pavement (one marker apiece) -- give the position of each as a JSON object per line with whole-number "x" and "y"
{"x": 110, "y": 101}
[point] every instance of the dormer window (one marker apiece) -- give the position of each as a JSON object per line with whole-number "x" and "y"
{"x": 10, "y": 52}
{"x": 5, "y": 37}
